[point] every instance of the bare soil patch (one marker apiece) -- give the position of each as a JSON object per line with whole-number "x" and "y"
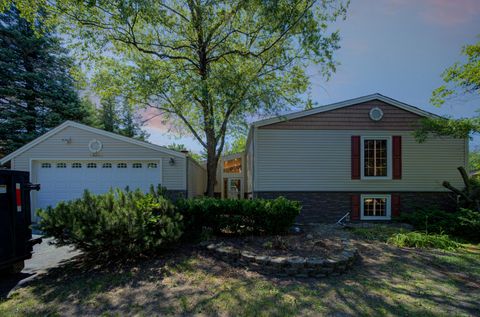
{"x": 303, "y": 245}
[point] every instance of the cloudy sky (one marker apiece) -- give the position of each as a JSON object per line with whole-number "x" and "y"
{"x": 398, "y": 48}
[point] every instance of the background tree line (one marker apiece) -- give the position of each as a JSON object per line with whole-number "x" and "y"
{"x": 39, "y": 88}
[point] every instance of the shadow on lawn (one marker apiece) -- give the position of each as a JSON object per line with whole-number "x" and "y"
{"x": 387, "y": 280}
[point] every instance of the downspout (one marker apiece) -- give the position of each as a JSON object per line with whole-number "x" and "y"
{"x": 186, "y": 175}
{"x": 253, "y": 162}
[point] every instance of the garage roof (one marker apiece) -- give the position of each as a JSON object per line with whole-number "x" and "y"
{"x": 90, "y": 129}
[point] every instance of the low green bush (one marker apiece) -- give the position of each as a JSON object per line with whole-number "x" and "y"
{"x": 118, "y": 223}
{"x": 256, "y": 216}
{"x": 424, "y": 240}
{"x": 463, "y": 223}
{"x": 378, "y": 233}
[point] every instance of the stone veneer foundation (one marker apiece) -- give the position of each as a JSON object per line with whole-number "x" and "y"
{"x": 329, "y": 207}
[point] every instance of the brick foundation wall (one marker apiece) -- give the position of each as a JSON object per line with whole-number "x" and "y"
{"x": 329, "y": 207}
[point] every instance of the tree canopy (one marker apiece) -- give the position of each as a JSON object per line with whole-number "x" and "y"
{"x": 207, "y": 66}
{"x": 461, "y": 79}
{"x": 37, "y": 91}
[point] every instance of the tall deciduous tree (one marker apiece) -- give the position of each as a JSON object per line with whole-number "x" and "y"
{"x": 36, "y": 89}
{"x": 207, "y": 65}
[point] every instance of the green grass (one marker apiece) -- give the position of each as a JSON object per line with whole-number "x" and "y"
{"x": 377, "y": 233}
{"x": 423, "y": 240}
{"x": 387, "y": 282}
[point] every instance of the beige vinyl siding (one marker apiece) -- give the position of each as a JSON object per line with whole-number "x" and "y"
{"x": 197, "y": 179}
{"x": 249, "y": 168}
{"x": 174, "y": 177}
{"x": 319, "y": 160}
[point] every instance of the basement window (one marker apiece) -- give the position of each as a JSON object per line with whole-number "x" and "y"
{"x": 375, "y": 207}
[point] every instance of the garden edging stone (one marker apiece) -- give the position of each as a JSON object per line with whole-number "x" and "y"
{"x": 297, "y": 266}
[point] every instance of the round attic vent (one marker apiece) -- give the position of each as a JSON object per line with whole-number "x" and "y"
{"x": 95, "y": 146}
{"x": 376, "y": 114}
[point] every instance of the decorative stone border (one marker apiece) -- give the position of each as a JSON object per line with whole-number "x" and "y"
{"x": 287, "y": 265}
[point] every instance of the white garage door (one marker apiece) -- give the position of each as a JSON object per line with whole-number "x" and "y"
{"x": 66, "y": 180}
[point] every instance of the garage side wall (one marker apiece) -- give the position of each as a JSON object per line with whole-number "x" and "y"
{"x": 56, "y": 148}
{"x": 197, "y": 179}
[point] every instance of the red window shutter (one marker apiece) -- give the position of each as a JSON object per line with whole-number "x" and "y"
{"x": 355, "y": 213}
{"x": 395, "y": 205}
{"x": 355, "y": 157}
{"x": 397, "y": 156}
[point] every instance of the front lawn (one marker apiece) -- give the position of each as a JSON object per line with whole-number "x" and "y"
{"x": 387, "y": 281}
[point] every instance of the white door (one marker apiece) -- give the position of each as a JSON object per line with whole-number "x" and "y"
{"x": 233, "y": 188}
{"x": 66, "y": 180}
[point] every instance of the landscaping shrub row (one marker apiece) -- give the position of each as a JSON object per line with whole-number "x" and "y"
{"x": 463, "y": 223}
{"x": 130, "y": 223}
{"x": 230, "y": 216}
{"x": 116, "y": 223}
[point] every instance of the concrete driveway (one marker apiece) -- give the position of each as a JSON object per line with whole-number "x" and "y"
{"x": 45, "y": 256}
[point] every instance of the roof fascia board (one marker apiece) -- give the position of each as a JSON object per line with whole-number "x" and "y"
{"x": 90, "y": 129}
{"x": 33, "y": 143}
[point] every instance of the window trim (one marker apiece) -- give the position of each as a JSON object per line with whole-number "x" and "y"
{"x": 362, "y": 157}
{"x": 388, "y": 206}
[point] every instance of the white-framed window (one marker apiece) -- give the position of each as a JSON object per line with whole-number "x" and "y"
{"x": 91, "y": 165}
{"x": 152, "y": 165}
{"x": 375, "y": 207}
{"x": 137, "y": 165}
{"x": 61, "y": 165}
{"x": 107, "y": 165}
{"x": 376, "y": 157}
{"x": 233, "y": 166}
{"x": 122, "y": 165}
{"x": 46, "y": 165}
{"x": 76, "y": 165}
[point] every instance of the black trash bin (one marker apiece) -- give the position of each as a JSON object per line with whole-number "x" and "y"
{"x": 15, "y": 232}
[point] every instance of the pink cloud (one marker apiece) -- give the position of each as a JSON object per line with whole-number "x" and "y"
{"x": 435, "y": 12}
{"x": 155, "y": 120}
{"x": 449, "y": 12}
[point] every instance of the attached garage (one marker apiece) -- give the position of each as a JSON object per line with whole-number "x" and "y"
{"x": 74, "y": 157}
{"x": 66, "y": 180}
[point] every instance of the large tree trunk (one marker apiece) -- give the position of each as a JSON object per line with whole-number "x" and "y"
{"x": 212, "y": 162}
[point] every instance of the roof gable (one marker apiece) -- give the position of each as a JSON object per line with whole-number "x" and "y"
{"x": 67, "y": 124}
{"x": 343, "y": 104}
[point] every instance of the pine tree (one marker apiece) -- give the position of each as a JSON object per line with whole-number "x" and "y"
{"x": 108, "y": 115}
{"x": 37, "y": 92}
{"x": 118, "y": 116}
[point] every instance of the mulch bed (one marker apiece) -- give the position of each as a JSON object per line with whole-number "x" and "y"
{"x": 304, "y": 245}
